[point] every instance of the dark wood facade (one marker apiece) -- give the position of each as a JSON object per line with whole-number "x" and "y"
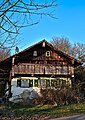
{"x": 54, "y": 63}
{"x": 39, "y": 60}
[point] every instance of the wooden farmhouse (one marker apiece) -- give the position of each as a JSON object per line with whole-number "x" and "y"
{"x": 38, "y": 66}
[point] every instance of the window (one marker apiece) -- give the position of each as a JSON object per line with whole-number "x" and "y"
{"x": 52, "y": 83}
{"x": 24, "y": 83}
{"x": 47, "y": 83}
{"x": 36, "y": 83}
{"x": 35, "y": 53}
{"x": 48, "y": 53}
{"x": 42, "y": 83}
{"x": 30, "y": 83}
{"x": 63, "y": 83}
{"x": 58, "y": 82}
{"x": 43, "y": 44}
{"x": 55, "y": 83}
{"x": 19, "y": 83}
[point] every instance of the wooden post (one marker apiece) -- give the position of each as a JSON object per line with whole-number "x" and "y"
{"x": 11, "y": 74}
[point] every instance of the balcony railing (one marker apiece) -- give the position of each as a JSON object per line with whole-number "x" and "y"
{"x": 42, "y": 69}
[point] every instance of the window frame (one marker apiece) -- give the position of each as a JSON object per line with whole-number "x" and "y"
{"x": 36, "y": 82}
{"x": 47, "y": 83}
{"x": 34, "y": 53}
{"x": 52, "y": 83}
{"x": 25, "y": 82}
{"x": 48, "y": 53}
{"x": 18, "y": 82}
{"x": 30, "y": 80}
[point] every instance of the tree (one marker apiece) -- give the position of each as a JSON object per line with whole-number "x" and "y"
{"x": 77, "y": 50}
{"x": 16, "y": 14}
{"x": 4, "y": 53}
{"x": 62, "y": 43}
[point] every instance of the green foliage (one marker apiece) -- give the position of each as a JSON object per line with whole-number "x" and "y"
{"x": 79, "y": 81}
{"x": 14, "y": 110}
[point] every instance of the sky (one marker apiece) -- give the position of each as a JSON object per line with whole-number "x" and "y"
{"x": 70, "y": 23}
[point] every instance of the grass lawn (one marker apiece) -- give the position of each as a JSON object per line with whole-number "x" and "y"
{"x": 26, "y": 110}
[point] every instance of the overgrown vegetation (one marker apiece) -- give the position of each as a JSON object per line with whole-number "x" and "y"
{"x": 52, "y": 103}
{"x": 61, "y": 96}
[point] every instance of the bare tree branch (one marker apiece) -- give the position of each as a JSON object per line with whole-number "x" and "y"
{"x": 77, "y": 50}
{"x": 16, "y": 14}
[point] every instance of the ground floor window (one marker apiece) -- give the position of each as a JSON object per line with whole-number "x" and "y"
{"x": 63, "y": 83}
{"x": 59, "y": 82}
{"x": 36, "y": 83}
{"x": 41, "y": 82}
{"x": 24, "y": 83}
{"x": 30, "y": 83}
{"x": 19, "y": 83}
{"x": 47, "y": 83}
{"x": 52, "y": 83}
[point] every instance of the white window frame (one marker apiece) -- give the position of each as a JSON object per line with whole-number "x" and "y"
{"x": 48, "y": 53}
{"x": 35, "y": 53}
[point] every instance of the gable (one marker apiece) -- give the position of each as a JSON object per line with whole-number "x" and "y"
{"x": 42, "y": 51}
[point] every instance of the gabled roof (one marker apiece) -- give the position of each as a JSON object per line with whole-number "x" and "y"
{"x": 77, "y": 62}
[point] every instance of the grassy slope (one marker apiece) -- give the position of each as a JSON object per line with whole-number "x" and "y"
{"x": 26, "y": 110}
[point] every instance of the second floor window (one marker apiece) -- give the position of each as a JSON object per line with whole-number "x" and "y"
{"x": 35, "y": 53}
{"x": 48, "y": 53}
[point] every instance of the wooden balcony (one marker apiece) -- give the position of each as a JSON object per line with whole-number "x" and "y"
{"x": 42, "y": 69}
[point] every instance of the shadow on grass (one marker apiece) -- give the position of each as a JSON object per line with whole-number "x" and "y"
{"x": 30, "y": 110}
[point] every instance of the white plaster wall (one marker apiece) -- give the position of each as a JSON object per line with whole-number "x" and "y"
{"x": 17, "y": 91}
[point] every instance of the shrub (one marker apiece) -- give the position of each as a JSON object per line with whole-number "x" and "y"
{"x": 60, "y": 96}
